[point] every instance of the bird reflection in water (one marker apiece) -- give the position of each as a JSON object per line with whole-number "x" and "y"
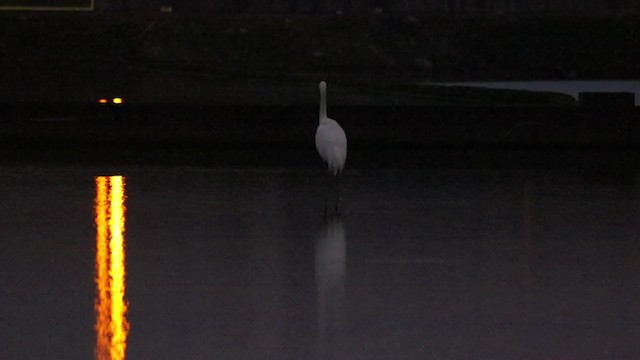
{"x": 330, "y": 270}
{"x": 110, "y": 305}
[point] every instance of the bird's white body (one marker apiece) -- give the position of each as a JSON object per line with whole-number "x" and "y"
{"x": 331, "y": 140}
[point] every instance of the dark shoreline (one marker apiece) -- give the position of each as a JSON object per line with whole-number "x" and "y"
{"x": 280, "y": 136}
{"x": 391, "y": 125}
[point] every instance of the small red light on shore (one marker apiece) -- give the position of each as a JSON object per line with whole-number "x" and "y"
{"x": 117, "y": 100}
{"x": 102, "y": 101}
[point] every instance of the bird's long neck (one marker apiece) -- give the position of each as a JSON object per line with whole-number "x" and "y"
{"x": 323, "y": 104}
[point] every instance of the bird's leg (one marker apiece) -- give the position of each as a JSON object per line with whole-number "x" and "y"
{"x": 336, "y": 182}
{"x": 332, "y": 195}
{"x": 326, "y": 190}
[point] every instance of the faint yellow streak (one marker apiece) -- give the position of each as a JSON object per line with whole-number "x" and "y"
{"x": 111, "y": 323}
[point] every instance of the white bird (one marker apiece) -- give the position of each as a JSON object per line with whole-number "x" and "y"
{"x": 331, "y": 141}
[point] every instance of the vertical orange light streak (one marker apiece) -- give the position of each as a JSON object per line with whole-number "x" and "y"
{"x": 102, "y": 271}
{"x": 117, "y": 271}
{"x": 111, "y": 322}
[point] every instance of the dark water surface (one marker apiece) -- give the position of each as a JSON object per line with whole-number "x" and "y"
{"x": 242, "y": 264}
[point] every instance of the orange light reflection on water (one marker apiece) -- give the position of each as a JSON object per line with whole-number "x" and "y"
{"x": 110, "y": 305}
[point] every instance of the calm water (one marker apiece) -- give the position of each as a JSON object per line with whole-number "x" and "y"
{"x": 242, "y": 264}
